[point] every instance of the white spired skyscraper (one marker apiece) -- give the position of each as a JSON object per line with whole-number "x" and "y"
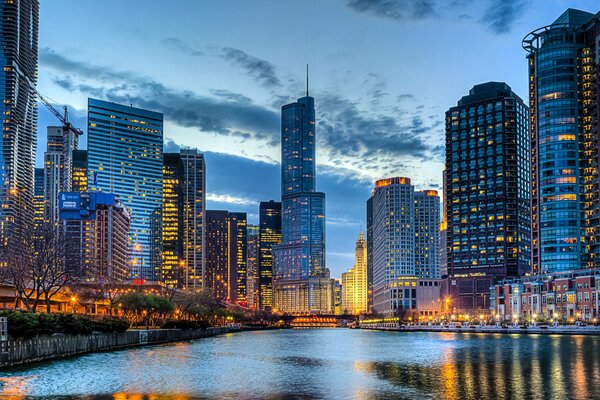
{"x": 125, "y": 157}
{"x": 354, "y": 282}
{"x": 18, "y": 79}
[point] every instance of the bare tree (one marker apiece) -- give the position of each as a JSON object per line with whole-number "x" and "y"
{"x": 36, "y": 267}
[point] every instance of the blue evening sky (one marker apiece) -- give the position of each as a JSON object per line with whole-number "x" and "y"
{"x": 382, "y": 72}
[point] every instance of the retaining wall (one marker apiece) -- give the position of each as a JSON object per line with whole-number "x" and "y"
{"x": 41, "y": 348}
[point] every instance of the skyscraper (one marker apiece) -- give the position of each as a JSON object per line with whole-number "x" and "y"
{"x": 393, "y": 226}
{"x": 370, "y": 253}
{"x": 58, "y": 166}
{"x": 427, "y": 234}
{"x": 194, "y": 205}
{"x": 18, "y": 79}
{"x": 125, "y": 157}
{"x": 299, "y": 261}
{"x": 252, "y": 271}
{"x": 270, "y": 235}
{"x": 563, "y": 95}
{"x": 38, "y": 201}
{"x": 172, "y": 221}
{"x": 354, "y": 282}
{"x": 488, "y": 193}
{"x": 238, "y": 223}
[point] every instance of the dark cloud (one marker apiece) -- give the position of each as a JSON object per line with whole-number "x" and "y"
{"x": 262, "y": 70}
{"x": 180, "y": 46}
{"x": 500, "y": 15}
{"x": 405, "y": 96}
{"x": 226, "y": 113}
{"x": 395, "y": 9}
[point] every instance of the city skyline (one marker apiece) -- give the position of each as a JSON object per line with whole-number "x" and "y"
{"x": 242, "y": 82}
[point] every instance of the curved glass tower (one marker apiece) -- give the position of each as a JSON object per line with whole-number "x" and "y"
{"x": 564, "y": 143}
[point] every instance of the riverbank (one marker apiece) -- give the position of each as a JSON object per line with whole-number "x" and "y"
{"x": 15, "y": 352}
{"x": 545, "y": 330}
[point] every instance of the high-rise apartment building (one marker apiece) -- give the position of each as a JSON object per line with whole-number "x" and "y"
{"x": 270, "y": 235}
{"x": 299, "y": 263}
{"x": 172, "y": 221}
{"x": 563, "y": 96}
{"x": 370, "y": 253}
{"x": 393, "y": 227}
{"x": 253, "y": 234}
{"x": 427, "y": 234}
{"x": 194, "y": 214}
{"x": 488, "y": 193}
{"x": 238, "y": 223}
{"x": 226, "y": 254}
{"x": 18, "y": 106}
{"x": 125, "y": 157}
{"x": 96, "y": 230}
{"x": 354, "y": 282}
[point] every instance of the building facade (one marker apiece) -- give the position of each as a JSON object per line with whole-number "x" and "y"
{"x": 38, "y": 201}
{"x": 79, "y": 176}
{"x": 172, "y": 221}
{"x": 18, "y": 80}
{"x": 270, "y": 236}
{"x": 253, "y": 233}
{"x": 238, "y": 223}
{"x": 354, "y": 282}
{"x": 488, "y": 194}
{"x": 563, "y": 95}
{"x": 427, "y": 234}
{"x": 565, "y": 296}
{"x": 96, "y": 232}
{"x": 194, "y": 215}
{"x": 125, "y": 157}
{"x": 301, "y": 256}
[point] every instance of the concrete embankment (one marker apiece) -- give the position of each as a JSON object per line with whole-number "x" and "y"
{"x": 42, "y": 348}
{"x": 550, "y": 330}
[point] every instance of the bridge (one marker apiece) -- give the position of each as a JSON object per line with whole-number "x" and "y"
{"x": 317, "y": 320}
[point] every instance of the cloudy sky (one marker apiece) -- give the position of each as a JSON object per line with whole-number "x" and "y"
{"x": 382, "y": 73}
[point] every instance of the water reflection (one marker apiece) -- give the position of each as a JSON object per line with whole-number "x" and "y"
{"x": 326, "y": 364}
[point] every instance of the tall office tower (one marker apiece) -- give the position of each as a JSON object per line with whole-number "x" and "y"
{"x": 270, "y": 235}
{"x": 18, "y": 79}
{"x": 125, "y": 157}
{"x": 563, "y": 95}
{"x": 96, "y": 229}
{"x": 488, "y": 193}
{"x": 79, "y": 176}
{"x": 354, "y": 282}
{"x": 299, "y": 263}
{"x": 253, "y": 234}
{"x": 393, "y": 247}
{"x": 238, "y": 223}
{"x": 194, "y": 204}
{"x": 443, "y": 254}
{"x": 221, "y": 254}
{"x": 427, "y": 234}
{"x": 370, "y": 254}
{"x": 172, "y": 221}
{"x": 58, "y": 166}
{"x": 38, "y": 201}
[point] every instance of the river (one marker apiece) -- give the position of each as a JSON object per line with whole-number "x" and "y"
{"x": 326, "y": 364}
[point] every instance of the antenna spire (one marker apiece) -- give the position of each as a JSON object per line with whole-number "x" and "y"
{"x": 306, "y": 80}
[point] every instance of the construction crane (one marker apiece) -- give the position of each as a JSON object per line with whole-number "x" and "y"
{"x": 66, "y": 125}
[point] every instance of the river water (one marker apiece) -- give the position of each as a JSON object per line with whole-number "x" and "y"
{"x": 326, "y": 364}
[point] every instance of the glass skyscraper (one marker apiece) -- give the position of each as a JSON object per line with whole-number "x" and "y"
{"x": 194, "y": 215}
{"x": 125, "y": 157}
{"x": 172, "y": 221}
{"x": 487, "y": 193}
{"x": 301, "y": 256}
{"x": 563, "y": 95}
{"x": 18, "y": 79}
